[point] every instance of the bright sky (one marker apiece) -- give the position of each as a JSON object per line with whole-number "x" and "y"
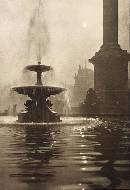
{"x": 74, "y": 28}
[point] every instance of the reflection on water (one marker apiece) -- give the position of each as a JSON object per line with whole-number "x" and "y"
{"x": 94, "y": 155}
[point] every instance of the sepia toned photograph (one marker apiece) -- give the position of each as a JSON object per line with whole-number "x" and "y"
{"x": 64, "y": 94}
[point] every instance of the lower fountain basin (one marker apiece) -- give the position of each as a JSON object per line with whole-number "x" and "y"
{"x": 38, "y": 108}
{"x": 39, "y": 89}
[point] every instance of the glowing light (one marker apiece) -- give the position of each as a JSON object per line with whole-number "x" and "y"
{"x": 83, "y": 169}
{"x": 83, "y": 145}
{"x": 84, "y": 157}
{"x": 84, "y": 161}
{"x": 81, "y": 153}
{"x": 84, "y": 25}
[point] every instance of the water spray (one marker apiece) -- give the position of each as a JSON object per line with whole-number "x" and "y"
{"x": 38, "y": 33}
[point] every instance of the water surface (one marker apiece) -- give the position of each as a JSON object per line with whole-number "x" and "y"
{"x": 92, "y": 154}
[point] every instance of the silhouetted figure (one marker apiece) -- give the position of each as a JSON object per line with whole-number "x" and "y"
{"x": 91, "y": 104}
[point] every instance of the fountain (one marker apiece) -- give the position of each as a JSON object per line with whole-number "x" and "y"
{"x": 38, "y": 108}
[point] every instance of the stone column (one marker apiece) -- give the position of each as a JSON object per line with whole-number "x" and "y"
{"x": 111, "y": 65}
{"x": 110, "y": 22}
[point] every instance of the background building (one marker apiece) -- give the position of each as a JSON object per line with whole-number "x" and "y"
{"x": 84, "y": 80}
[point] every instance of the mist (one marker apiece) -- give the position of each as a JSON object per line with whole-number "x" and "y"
{"x": 70, "y": 34}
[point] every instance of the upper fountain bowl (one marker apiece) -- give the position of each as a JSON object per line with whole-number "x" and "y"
{"x": 38, "y": 68}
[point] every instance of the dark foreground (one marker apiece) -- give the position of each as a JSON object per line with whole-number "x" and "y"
{"x": 94, "y": 155}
